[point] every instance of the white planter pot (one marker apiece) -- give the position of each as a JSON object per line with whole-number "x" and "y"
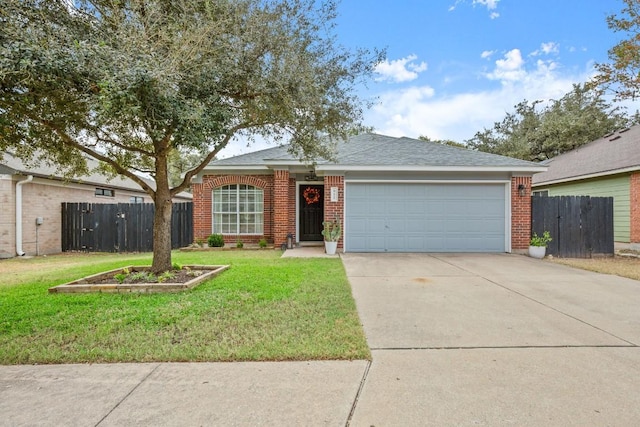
{"x": 537, "y": 251}
{"x": 330, "y": 247}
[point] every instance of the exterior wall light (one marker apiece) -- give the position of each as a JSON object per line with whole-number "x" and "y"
{"x": 522, "y": 190}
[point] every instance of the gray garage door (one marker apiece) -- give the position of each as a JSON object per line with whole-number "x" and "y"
{"x": 425, "y": 217}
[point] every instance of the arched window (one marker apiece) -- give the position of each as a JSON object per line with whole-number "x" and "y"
{"x": 238, "y": 209}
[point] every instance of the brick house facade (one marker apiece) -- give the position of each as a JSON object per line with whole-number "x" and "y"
{"x": 282, "y": 180}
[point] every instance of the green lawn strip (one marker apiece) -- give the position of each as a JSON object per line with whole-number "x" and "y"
{"x": 263, "y": 308}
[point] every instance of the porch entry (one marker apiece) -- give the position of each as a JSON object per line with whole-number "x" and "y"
{"x": 311, "y": 205}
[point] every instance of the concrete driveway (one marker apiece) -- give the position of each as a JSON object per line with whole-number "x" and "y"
{"x": 495, "y": 340}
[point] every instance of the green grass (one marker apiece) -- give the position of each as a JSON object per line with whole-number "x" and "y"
{"x": 263, "y": 308}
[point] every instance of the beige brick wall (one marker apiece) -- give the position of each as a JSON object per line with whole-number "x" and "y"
{"x": 7, "y": 217}
{"x": 43, "y": 198}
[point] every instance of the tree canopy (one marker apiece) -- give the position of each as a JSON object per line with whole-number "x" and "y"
{"x": 130, "y": 82}
{"x": 622, "y": 74}
{"x": 534, "y": 132}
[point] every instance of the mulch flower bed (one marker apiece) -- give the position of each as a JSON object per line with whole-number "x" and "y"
{"x": 140, "y": 279}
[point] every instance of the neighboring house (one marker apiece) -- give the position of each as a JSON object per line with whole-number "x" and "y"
{"x": 391, "y": 195}
{"x": 607, "y": 167}
{"x": 38, "y": 193}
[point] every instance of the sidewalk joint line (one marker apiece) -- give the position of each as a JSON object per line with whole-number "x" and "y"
{"x": 505, "y": 347}
{"x": 357, "y": 397}
{"x": 128, "y": 394}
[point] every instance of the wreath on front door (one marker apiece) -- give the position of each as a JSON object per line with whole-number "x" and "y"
{"x": 311, "y": 195}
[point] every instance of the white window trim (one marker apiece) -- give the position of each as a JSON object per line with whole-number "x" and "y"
{"x": 237, "y": 211}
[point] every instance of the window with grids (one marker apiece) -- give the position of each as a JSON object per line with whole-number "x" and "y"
{"x": 238, "y": 209}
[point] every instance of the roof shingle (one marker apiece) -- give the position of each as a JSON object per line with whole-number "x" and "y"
{"x": 380, "y": 150}
{"x": 617, "y": 151}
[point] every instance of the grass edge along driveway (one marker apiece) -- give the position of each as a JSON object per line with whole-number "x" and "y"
{"x": 263, "y": 308}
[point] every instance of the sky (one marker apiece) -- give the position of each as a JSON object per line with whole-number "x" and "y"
{"x": 454, "y": 67}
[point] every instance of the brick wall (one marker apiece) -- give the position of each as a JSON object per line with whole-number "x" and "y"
{"x": 334, "y": 209}
{"x": 520, "y": 213}
{"x": 202, "y": 205}
{"x": 281, "y": 206}
{"x": 7, "y": 217}
{"x": 634, "y": 200}
{"x": 44, "y": 198}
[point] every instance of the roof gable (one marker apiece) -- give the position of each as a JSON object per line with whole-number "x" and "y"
{"x": 610, "y": 154}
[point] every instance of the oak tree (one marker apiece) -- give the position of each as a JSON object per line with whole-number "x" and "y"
{"x": 130, "y": 82}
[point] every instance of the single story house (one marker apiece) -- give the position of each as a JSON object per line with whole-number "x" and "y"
{"x": 390, "y": 194}
{"x": 606, "y": 167}
{"x": 37, "y": 194}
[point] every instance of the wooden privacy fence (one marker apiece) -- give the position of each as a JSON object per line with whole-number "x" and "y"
{"x": 581, "y": 226}
{"x": 121, "y": 227}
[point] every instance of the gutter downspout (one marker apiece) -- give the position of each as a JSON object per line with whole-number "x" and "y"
{"x": 19, "y": 185}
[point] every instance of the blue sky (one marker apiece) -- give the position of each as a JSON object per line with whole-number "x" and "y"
{"x": 455, "y": 67}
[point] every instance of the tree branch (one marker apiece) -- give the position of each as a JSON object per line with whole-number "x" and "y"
{"x": 69, "y": 141}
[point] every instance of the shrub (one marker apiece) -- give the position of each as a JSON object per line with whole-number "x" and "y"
{"x": 239, "y": 244}
{"x": 541, "y": 240}
{"x": 262, "y": 243}
{"x": 215, "y": 241}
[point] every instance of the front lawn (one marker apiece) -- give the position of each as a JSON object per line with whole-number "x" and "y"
{"x": 263, "y": 308}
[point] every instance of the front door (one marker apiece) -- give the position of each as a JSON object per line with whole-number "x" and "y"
{"x": 311, "y": 212}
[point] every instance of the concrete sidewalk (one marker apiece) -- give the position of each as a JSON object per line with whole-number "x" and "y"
{"x": 456, "y": 340}
{"x": 180, "y": 394}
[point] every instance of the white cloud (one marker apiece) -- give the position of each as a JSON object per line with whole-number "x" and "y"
{"x": 491, "y": 6}
{"x": 421, "y": 111}
{"x": 487, "y": 54}
{"x": 400, "y": 70}
{"x": 511, "y": 68}
{"x": 547, "y": 49}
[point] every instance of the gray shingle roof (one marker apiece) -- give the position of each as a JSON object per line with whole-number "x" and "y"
{"x": 611, "y": 153}
{"x": 11, "y": 165}
{"x": 379, "y": 150}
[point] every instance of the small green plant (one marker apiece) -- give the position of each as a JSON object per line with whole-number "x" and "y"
{"x": 121, "y": 277}
{"x": 332, "y": 230}
{"x": 262, "y": 243}
{"x": 215, "y": 241}
{"x": 167, "y": 275}
{"x": 541, "y": 240}
{"x": 143, "y": 276}
{"x": 176, "y": 266}
{"x": 199, "y": 241}
{"x": 239, "y": 244}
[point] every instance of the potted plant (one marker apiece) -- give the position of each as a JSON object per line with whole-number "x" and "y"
{"x": 331, "y": 233}
{"x": 538, "y": 245}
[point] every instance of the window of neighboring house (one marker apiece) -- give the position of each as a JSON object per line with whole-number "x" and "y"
{"x": 543, "y": 193}
{"x": 136, "y": 199}
{"x": 106, "y": 192}
{"x": 238, "y": 209}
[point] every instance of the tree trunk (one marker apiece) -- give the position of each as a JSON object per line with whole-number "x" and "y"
{"x": 162, "y": 223}
{"x": 162, "y": 236}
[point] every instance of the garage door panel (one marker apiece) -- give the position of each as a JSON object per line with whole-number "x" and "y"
{"x": 425, "y": 217}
